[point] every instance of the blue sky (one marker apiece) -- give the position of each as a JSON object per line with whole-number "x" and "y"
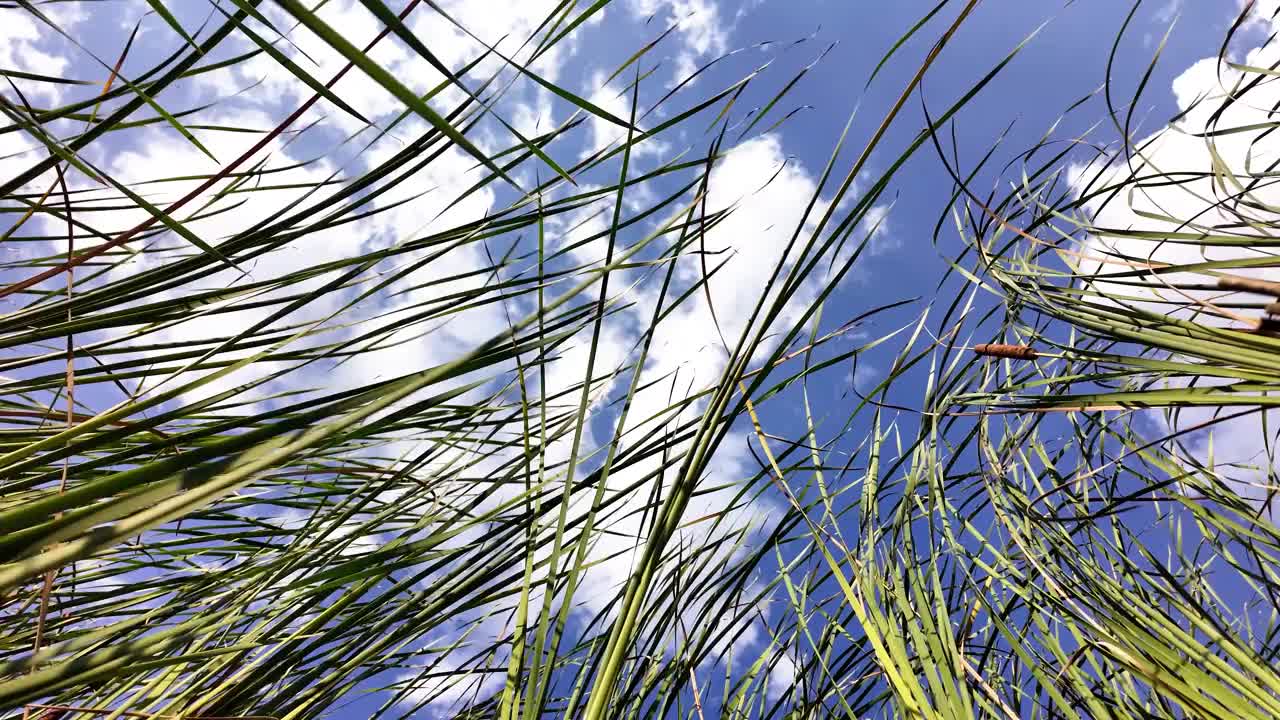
{"x": 770, "y": 176}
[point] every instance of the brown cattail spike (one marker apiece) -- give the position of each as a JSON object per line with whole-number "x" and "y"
{"x": 1013, "y": 352}
{"x": 1245, "y": 284}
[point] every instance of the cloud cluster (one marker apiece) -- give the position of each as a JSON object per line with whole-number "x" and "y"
{"x": 763, "y": 191}
{"x": 703, "y": 31}
{"x": 1220, "y": 152}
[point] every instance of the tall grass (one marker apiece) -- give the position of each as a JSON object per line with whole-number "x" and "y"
{"x": 303, "y": 437}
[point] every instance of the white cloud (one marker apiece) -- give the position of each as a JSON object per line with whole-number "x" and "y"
{"x": 604, "y": 132}
{"x": 438, "y": 185}
{"x": 504, "y": 24}
{"x": 699, "y": 22}
{"x": 28, "y": 45}
{"x": 450, "y": 687}
{"x": 703, "y": 32}
{"x": 1265, "y": 12}
{"x": 766, "y": 191}
{"x": 686, "y": 357}
{"x": 782, "y": 676}
{"x": 1199, "y": 92}
{"x": 687, "y": 345}
{"x": 155, "y": 157}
